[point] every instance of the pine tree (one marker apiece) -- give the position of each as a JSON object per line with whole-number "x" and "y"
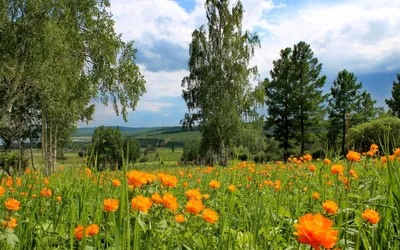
{"x": 342, "y": 104}
{"x": 394, "y": 102}
{"x": 279, "y": 100}
{"x": 308, "y": 90}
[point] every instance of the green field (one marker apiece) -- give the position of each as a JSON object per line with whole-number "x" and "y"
{"x": 161, "y": 133}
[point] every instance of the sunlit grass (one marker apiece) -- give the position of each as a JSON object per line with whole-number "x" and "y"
{"x": 243, "y": 206}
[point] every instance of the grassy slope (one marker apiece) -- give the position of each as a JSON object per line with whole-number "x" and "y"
{"x": 171, "y": 133}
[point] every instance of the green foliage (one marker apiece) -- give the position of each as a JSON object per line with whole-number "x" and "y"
{"x": 376, "y": 131}
{"x": 218, "y": 91}
{"x": 394, "y": 102}
{"x": 347, "y": 106}
{"x": 131, "y": 149}
{"x": 107, "y": 146}
{"x": 55, "y": 56}
{"x": 9, "y": 161}
{"x": 191, "y": 151}
{"x": 81, "y": 154}
{"x": 294, "y": 96}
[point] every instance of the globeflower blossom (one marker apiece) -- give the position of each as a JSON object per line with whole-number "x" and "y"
{"x": 316, "y": 230}
{"x": 315, "y": 195}
{"x": 10, "y": 223}
{"x": 116, "y": 183}
{"x": 179, "y": 218}
{"x": 46, "y": 192}
{"x": 232, "y": 188}
{"x": 194, "y": 206}
{"x": 110, "y": 205}
{"x": 170, "y": 202}
{"x": 353, "y": 156}
{"x": 141, "y": 203}
{"x": 156, "y": 198}
{"x": 193, "y": 194}
{"x": 312, "y": 168}
{"x": 371, "y": 216}
{"x": 168, "y": 180}
{"x": 210, "y": 215}
{"x": 337, "y": 169}
{"x": 214, "y": 184}
{"x": 12, "y": 204}
{"x": 327, "y": 161}
{"x": 330, "y": 207}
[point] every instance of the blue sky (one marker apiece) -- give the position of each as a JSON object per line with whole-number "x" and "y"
{"x": 361, "y": 36}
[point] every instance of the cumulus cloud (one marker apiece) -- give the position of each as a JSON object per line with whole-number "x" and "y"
{"x": 358, "y": 35}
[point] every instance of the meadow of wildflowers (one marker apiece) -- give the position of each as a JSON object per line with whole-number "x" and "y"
{"x": 352, "y": 203}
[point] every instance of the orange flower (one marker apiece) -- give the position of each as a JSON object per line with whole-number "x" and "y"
{"x": 46, "y": 192}
{"x": 59, "y": 198}
{"x": 2, "y": 191}
{"x": 136, "y": 178}
{"x": 353, "y": 156}
{"x": 141, "y": 203}
{"x": 194, "y": 206}
{"x": 170, "y": 202}
{"x": 337, "y": 169}
{"x": 396, "y": 152}
{"x": 327, "y": 161}
{"x": 312, "y": 168}
{"x": 315, "y": 195}
{"x": 168, "y": 180}
{"x": 307, "y": 157}
{"x": 88, "y": 171}
{"x": 12, "y": 223}
{"x": 330, "y": 207}
{"x": 232, "y": 188}
{"x": 210, "y": 215}
{"x": 179, "y": 218}
{"x": 353, "y": 173}
{"x": 206, "y": 196}
{"x": 78, "y": 231}
{"x": 116, "y": 183}
{"x": 193, "y": 194}
{"x": 156, "y": 198}
{"x": 316, "y": 230}
{"x": 46, "y": 181}
{"x": 12, "y": 204}
{"x": 93, "y": 229}
{"x": 185, "y": 184}
{"x": 371, "y": 216}
{"x": 89, "y": 231}
{"x": 110, "y": 205}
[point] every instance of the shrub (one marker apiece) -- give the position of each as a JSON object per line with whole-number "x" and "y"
{"x": 81, "y": 154}
{"x": 319, "y": 153}
{"x": 260, "y": 157}
{"x": 376, "y": 131}
{"x": 243, "y": 157}
{"x": 190, "y": 151}
{"x": 143, "y": 159}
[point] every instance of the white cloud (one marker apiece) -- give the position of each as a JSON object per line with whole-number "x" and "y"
{"x": 152, "y": 106}
{"x": 358, "y": 35}
{"x": 163, "y": 83}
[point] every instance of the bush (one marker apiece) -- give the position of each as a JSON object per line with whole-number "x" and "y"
{"x": 143, "y": 159}
{"x": 81, "y": 154}
{"x": 9, "y": 161}
{"x": 259, "y": 157}
{"x": 318, "y": 154}
{"x": 190, "y": 151}
{"x": 376, "y": 131}
{"x": 243, "y": 157}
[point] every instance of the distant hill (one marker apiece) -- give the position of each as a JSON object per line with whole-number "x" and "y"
{"x": 159, "y": 133}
